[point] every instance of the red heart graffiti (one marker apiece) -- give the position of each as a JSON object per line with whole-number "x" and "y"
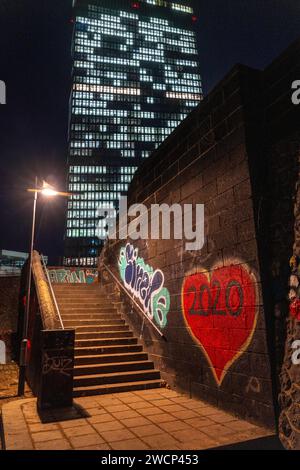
{"x": 221, "y": 312}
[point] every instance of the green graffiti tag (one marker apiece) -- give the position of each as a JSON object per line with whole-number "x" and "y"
{"x": 146, "y": 285}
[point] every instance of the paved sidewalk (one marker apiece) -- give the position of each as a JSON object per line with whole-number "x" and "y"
{"x": 152, "y": 419}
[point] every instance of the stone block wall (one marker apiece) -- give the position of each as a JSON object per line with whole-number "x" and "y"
{"x": 222, "y": 309}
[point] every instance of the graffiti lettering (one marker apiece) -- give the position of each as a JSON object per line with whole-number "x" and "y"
{"x": 221, "y": 314}
{"x": 145, "y": 284}
{"x": 73, "y": 276}
{"x": 233, "y": 306}
{"x": 63, "y": 365}
{"x": 296, "y": 354}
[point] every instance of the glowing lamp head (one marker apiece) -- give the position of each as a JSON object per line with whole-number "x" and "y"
{"x": 49, "y": 192}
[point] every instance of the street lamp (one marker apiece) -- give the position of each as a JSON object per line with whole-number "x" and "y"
{"x": 47, "y": 191}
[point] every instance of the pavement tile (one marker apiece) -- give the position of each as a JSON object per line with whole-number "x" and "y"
{"x": 130, "y": 444}
{"x": 184, "y": 401}
{"x": 163, "y": 402}
{"x": 162, "y": 418}
{"x": 87, "y": 440}
{"x": 134, "y": 422}
{"x": 217, "y": 430}
{"x": 46, "y": 436}
{"x": 29, "y": 407}
{"x": 175, "y": 426}
{"x": 141, "y": 405}
{"x": 104, "y": 418}
{"x": 186, "y": 435}
{"x": 40, "y": 427}
{"x": 204, "y": 443}
{"x": 110, "y": 426}
{"x": 103, "y": 446}
{"x": 145, "y": 393}
{"x": 116, "y": 408}
{"x": 150, "y": 411}
{"x": 108, "y": 401}
{"x": 35, "y": 420}
{"x": 154, "y": 398}
{"x": 172, "y": 408}
{"x": 115, "y": 436}
{"x": 228, "y": 439}
{"x": 87, "y": 403}
{"x": 73, "y": 423}
{"x": 126, "y": 414}
{"x": 186, "y": 414}
{"x": 199, "y": 422}
{"x": 130, "y": 399}
{"x": 148, "y": 430}
{"x": 207, "y": 410}
{"x": 161, "y": 442}
{"x": 79, "y": 431}
{"x": 96, "y": 411}
{"x": 59, "y": 444}
{"x": 241, "y": 426}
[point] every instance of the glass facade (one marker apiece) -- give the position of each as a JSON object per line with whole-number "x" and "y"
{"x": 135, "y": 78}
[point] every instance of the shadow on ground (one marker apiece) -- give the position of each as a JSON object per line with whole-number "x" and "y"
{"x": 264, "y": 443}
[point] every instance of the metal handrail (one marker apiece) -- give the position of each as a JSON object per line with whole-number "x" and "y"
{"x": 134, "y": 302}
{"x": 52, "y": 292}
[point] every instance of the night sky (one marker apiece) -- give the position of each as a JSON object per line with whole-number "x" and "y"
{"x": 35, "y": 63}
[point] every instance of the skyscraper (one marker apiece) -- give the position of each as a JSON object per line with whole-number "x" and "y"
{"x": 135, "y": 78}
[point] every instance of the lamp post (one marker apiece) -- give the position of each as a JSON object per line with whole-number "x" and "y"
{"x": 47, "y": 191}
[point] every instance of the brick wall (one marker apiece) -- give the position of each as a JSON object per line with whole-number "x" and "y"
{"x": 215, "y": 306}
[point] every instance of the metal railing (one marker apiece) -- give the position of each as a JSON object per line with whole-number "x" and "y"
{"x": 52, "y": 292}
{"x": 145, "y": 316}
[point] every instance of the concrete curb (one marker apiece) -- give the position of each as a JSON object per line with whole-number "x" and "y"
{"x": 15, "y": 430}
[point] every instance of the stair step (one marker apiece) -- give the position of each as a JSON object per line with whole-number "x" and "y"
{"x": 110, "y": 358}
{"x": 110, "y": 368}
{"x": 85, "y": 306}
{"x": 73, "y": 288}
{"x": 83, "y": 317}
{"x": 105, "y": 342}
{"x": 119, "y": 377}
{"x": 82, "y": 298}
{"x": 116, "y": 388}
{"x": 106, "y": 327}
{"x": 107, "y": 349}
{"x": 93, "y": 322}
{"x": 103, "y": 335}
{"x": 82, "y": 309}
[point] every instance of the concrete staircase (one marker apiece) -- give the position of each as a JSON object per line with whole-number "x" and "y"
{"x": 108, "y": 357}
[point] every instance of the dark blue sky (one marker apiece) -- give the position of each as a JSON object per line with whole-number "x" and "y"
{"x": 35, "y": 63}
